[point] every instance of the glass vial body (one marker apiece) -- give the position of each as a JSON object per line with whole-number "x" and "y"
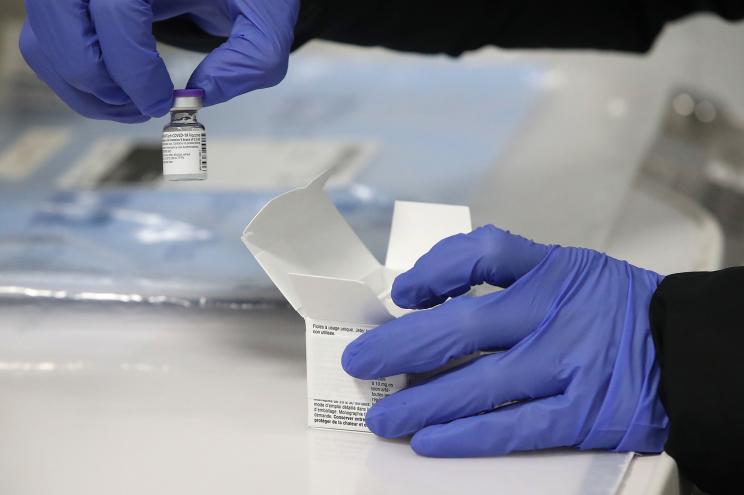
{"x": 185, "y": 139}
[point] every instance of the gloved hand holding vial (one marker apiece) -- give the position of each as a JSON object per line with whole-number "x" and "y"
{"x": 100, "y": 56}
{"x": 97, "y": 57}
{"x": 185, "y": 139}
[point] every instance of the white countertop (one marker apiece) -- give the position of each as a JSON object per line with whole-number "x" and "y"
{"x": 122, "y": 400}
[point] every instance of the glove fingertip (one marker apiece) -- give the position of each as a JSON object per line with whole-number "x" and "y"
{"x": 408, "y": 294}
{"x": 347, "y": 359}
{"x": 376, "y": 421}
{"x": 201, "y": 79}
{"x": 402, "y": 293}
{"x": 360, "y": 361}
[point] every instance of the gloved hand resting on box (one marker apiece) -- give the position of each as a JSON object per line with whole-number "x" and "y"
{"x": 99, "y": 56}
{"x": 578, "y": 367}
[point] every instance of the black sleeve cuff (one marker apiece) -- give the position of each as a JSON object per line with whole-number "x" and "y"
{"x": 444, "y": 26}
{"x": 697, "y": 321}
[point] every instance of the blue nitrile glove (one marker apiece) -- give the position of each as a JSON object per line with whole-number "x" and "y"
{"x": 100, "y": 57}
{"x": 579, "y": 355}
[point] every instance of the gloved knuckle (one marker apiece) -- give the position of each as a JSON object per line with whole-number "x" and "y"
{"x": 488, "y": 230}
{"x": 275, "y": 63}
{"x": 268, "y": 56}
{"x": 493, "y": 243}
{"x": 278, "y": 73}
{"x": 451, "y": 242}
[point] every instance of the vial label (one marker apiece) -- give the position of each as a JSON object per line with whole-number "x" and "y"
{"x": 184, "y": 152}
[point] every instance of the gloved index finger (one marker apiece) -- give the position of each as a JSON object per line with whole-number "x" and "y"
{"x": 424, "y": 341}
{"x": 124, "y": 29}
{"x": 455, "y": 264}
{"x": 255, "y": 55}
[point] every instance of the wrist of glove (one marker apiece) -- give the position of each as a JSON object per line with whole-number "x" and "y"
{"x": 567, "y": 355}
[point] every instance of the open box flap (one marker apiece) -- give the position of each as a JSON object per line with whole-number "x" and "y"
{"x": 341, "y": 300}
{"x": 302, "y": 232}
{"x": 417, "y": 227}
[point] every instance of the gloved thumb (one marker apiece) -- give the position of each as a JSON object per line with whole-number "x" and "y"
{"x": 255, "y": 55}
{"x": 455, "y": 264}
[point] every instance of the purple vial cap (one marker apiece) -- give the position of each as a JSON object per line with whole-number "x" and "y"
{"x": 188, "y": 93}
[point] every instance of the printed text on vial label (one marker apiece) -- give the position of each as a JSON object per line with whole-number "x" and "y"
{"x": 183, "y": 152}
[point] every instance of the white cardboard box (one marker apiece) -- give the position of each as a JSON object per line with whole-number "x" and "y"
{"x": 330, "y": 278}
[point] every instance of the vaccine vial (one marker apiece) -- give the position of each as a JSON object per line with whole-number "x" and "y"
{"x": 185, "y": 139}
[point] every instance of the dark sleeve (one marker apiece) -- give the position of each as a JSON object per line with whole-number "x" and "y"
{"x": 454, "y": 27}
{"x": 697, "y": 320}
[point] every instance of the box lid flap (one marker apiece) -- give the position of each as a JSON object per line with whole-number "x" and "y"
{"x": 341, "y": 300}
{"x": 302, "y": 232}
{"x": 417, "y": 227}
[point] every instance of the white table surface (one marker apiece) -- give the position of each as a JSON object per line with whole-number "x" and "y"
{"x": 123, "y": 400}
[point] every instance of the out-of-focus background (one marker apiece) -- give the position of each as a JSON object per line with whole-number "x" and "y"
{"x": 639, "y": 156}
{"x": 634, "y": 155}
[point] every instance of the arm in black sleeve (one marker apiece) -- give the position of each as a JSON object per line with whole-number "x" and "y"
{"x": 454, "y": 27}
{"x": 444, "y": 26}
{"x": 697, "y": 320}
